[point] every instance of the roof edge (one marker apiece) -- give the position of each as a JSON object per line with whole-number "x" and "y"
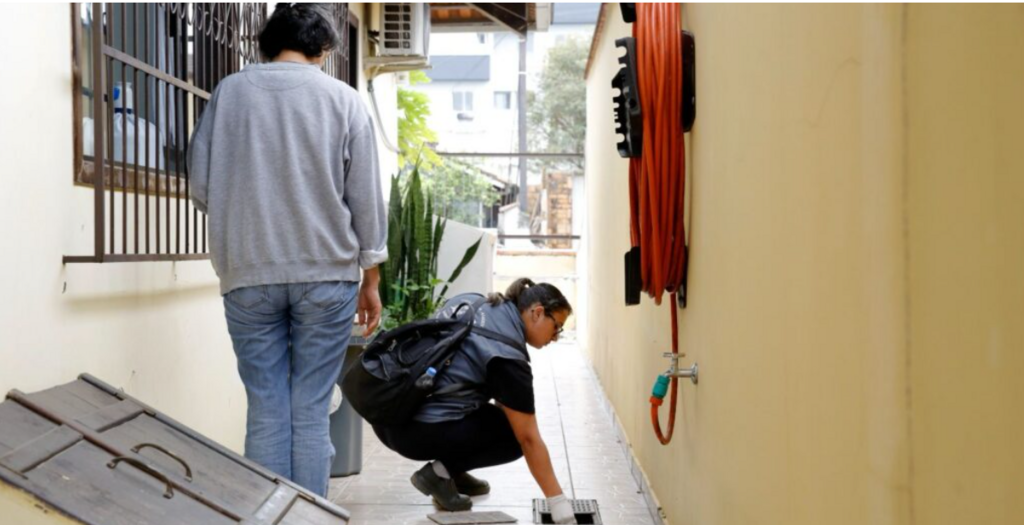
{"x": 598, "y": 33}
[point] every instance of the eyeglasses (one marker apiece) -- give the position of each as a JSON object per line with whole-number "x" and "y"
{"x": 558, "y": 326}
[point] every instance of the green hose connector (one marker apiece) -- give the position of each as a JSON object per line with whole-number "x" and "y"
{"x": 660, "y": 387}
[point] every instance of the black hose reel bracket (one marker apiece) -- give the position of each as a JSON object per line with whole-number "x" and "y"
{"x": 689, "y": 81}
{"x": 626, "y": 104}
{"x": 629, "y": 124}
{"x": 628, "y": 119}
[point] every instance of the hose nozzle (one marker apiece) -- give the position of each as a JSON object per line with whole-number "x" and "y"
{"x": 660, "y": 387}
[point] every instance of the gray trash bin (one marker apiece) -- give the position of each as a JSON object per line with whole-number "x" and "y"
{"x": 346, "y": 425}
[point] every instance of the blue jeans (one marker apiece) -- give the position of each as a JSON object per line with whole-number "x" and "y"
{"x": 290, "y": 340}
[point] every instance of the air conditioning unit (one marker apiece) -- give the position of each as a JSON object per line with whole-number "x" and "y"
{"x": 405, "y": 30}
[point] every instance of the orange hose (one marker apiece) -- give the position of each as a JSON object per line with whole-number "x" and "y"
{"x": 658, "y": 178}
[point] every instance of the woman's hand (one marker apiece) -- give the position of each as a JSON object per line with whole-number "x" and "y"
{"x": 368, "y": 307}
{"x": 524, "y": 426}
{"x": 561, "y": 510}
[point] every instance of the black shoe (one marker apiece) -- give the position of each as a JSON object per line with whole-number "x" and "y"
{"x": 443, "y": 490}
{"x": 471, "y": 486}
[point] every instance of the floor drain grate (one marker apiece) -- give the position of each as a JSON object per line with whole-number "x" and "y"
{"x": 458, "y": 518}
{"x": 585, "y": 510}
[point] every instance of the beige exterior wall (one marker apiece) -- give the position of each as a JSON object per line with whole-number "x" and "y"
{"x": 965, "y": 180}
{"x": 855, "y": 285}
{"x": 155, "y": 329}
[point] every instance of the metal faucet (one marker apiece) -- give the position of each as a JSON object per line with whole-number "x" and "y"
{"x": 675, "y": 371}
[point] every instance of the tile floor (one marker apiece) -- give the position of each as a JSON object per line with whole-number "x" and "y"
{"x": 582, "y": 438}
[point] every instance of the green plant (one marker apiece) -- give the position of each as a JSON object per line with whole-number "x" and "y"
{"x": 458, "y": 190}
{"x": 414, "y": 135}
{"x": 409, "y": 277}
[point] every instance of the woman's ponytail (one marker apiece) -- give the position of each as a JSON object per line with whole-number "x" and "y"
{"x": 524, "y": 293}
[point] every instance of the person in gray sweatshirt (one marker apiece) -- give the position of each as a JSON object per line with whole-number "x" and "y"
{"x": 284, "y": 164}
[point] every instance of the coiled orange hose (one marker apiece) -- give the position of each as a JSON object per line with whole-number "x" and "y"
{"x": 657, "y": 179}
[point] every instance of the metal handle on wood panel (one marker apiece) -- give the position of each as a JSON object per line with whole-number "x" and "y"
{"x": 169, "y": 493}
{"x": 188, "y": 470}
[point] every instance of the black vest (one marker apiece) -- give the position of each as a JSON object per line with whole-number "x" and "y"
{"x": 469, "y": 364}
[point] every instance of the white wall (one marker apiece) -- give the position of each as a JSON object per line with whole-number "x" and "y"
{"x": 477, "y": 276}
{"x": 386, "y": 88}
{"x": 155, "y": 329}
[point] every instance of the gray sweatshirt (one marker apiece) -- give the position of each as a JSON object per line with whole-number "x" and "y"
{"x": 284, "y": 164}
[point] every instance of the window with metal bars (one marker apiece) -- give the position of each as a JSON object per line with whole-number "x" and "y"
{"x": 142, "y": 75}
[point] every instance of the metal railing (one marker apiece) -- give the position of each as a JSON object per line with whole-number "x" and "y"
{"x": 153, "y": 68}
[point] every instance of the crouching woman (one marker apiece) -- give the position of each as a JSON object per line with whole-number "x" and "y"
{"x": 462, "y": 431}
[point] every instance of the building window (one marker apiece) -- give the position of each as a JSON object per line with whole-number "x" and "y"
{"x": 502, "y": 100}
{"x": 142, "y": 75}
{"x": 481, "y": 38}
{"x": 462, "y": 101}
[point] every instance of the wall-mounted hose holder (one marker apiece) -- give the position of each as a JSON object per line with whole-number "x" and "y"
{"x": 628, "y": 12}
{"x": 681, "y": 292}
{"x": 629, "y": 124}
{"x": 629, "y": 121}
{"x": 689, "y": 81}
{"x": 633, "y": 279}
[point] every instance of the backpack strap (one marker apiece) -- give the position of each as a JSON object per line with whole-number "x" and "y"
{"x": 491, "y": 334}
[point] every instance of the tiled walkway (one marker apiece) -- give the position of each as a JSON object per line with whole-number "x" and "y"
{"x": 582, "y": 438}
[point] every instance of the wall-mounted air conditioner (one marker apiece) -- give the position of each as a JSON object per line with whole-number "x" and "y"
{"x": 404, "y": 30}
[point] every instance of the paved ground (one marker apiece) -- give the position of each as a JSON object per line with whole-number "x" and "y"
{"x": 581, "y": 437}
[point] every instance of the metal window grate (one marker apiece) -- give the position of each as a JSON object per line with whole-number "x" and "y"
{"x": 339, "y": 64}
{"x": 145, "y": 73}
{"x": 586, "y": 511}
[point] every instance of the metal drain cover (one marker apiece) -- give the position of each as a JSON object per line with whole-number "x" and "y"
{"x": 585, "y": 510}
{"x": 466, "y": 518}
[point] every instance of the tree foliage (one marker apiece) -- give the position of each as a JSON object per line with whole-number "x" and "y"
{"x": 557, "y": 112}
{"x": 458, "y": 191}
{"x": 414, "y": 135}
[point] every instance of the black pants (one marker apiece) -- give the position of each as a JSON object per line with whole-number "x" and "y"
{"x": 481, "y": 439}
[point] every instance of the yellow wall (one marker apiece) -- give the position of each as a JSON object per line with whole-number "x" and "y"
{"x": 965, "y": 176}
{"x": 856, "y": 238}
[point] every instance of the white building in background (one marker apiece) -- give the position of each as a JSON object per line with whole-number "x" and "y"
{"x": 475, "y": 81}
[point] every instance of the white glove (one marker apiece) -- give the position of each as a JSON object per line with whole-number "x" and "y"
{"x": 561, "y": 510}
{"x": 336, "y": 399}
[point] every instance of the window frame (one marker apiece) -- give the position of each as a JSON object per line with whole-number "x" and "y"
{"x": 507, "y": 95}
{"x": 460, "y": 100}
{"x": 197, "y": 46}
{"x": 152, "y": 181}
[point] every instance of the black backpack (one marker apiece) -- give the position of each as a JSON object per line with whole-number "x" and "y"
{"x": 390, "y": 380}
